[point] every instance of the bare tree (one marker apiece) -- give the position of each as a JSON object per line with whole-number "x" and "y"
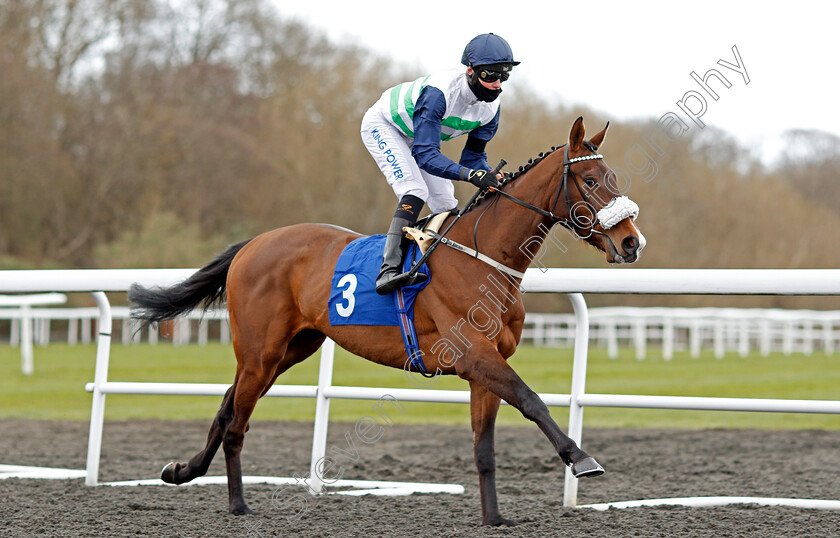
{"x": 129, "y": 122}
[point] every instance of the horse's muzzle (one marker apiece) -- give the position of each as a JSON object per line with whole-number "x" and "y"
{"x": 631, "y": 249}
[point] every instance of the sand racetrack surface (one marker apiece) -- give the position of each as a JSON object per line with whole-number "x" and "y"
{"x": 640, "y": 464}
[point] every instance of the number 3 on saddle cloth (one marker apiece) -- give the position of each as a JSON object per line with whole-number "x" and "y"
{"x": 353, "y": 297}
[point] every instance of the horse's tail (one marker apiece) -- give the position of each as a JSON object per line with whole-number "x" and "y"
{"x": 205, "y": 287}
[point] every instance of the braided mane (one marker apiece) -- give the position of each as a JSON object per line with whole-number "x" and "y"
{"x": 521, "y": 171}
{"x": 530, "y": 164}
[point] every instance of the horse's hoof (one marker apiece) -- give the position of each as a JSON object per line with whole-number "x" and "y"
{"x": 587, "y": 467}
{"x": 241, "y": 510}
{"x": 500, "y": 521}
{"x": 169, "y": 471}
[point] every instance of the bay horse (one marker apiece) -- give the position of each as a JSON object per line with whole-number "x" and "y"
{"x": 277, "y": 286}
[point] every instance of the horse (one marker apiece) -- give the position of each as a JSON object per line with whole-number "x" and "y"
{"x": 277, "y": 286}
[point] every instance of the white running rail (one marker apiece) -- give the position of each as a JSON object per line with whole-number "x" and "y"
{"x": 571, "y": 281}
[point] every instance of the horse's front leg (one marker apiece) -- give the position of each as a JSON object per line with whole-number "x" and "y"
{"x": 492, "y": 371}
{"x": 483, "y": 408}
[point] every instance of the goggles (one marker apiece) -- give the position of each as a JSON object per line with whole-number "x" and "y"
{"x": 488, "y": 75}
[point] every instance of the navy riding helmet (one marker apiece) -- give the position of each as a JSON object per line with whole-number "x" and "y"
{"x": 491, "y": 58}
{"x": 487, "y": 49}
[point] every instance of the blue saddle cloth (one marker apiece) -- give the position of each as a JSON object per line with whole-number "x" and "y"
{"x": 353, "y": 297}
{"x": 354, "y": 301}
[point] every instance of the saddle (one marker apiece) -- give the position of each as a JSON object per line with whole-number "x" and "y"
{"x": 424, "y": 231}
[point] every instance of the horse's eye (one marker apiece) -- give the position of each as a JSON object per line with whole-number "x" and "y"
{"x": 590, "y": 181}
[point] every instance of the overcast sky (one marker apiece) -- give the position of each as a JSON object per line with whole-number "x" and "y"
{"x": 627, "y": 59}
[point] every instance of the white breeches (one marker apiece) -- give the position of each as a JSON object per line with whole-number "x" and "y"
{"x": 392, "y": 153}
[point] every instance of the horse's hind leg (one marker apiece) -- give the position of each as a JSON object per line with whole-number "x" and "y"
{"x": 302, "y": 346}
{"x": 251, "y": 384}
{"x": 180, "y": 473}
{"x": 484, "y": 405}
{"x": 255, "y": 376}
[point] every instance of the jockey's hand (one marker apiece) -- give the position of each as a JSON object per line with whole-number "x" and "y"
{"x": 482, "y": 179}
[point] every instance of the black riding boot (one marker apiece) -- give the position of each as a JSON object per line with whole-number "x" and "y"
{"x": 391, "y": 276}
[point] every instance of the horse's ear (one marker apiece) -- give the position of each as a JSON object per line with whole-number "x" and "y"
{"x": 598, "y": 139}
{"x": 577, "y": 134}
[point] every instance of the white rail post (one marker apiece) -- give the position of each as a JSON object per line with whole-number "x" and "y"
{"x": 72, "y": 331}
{"x": 203, "y": 331}
{"x": 668, "y": 338}
{"x": 125, "y": 331}
{"x": 640, "y": 337}
{"x": 570, "y": 487}
{"x": 787, "y": 338}
{"x": 808, "y": 337}
{"x": 322, "y": 417}
{"x": 764, "y": 338}
{"x": 539, "y": 331}
{"x": 100, "y": 376}
{"x": 14, "y": 334}
{"x": 27, "y": 363}
{"x": 720, "y": 344}
{"x": 612, "y": 337}
{"x": 744, "y": 337}
{"x": 828, "y": 337}
{"x": 182, "y": 331}
{"x": 86, "y": 330}
{"x": 44, "y": 331}
{"x": 695, "y": 338}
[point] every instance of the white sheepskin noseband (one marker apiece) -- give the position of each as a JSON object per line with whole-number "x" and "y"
{"x": 616, "y": 211}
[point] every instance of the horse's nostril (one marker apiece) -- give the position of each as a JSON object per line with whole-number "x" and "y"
{"x": 630, "y": 244}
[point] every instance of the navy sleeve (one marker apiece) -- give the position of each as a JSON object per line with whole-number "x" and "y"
{"x": 474, "y": 158}
{"x": 428, "y": 114}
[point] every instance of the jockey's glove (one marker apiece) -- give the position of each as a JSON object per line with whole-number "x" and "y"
{"x": 482, "y": 179}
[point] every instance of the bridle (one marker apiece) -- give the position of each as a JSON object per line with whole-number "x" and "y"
{"x": 568, "y": 223}
{"x": 618, "y": 209}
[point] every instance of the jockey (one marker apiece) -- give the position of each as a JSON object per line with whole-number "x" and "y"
{"x": 403, "y": 131}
